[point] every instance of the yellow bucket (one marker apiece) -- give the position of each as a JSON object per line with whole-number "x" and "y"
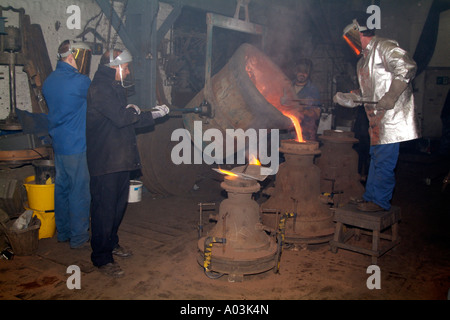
{"x": 48, "y": 226}
{"x": 41, "y": 197}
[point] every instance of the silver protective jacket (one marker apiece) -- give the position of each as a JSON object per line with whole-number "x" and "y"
{"x": 383, "y": 61}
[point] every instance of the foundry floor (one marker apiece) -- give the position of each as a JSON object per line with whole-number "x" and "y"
{"x": 162, "y": 232}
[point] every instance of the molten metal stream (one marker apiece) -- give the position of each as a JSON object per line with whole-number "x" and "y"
{"x": 228, "y": 173}
{"x": 298, "y": 128}
{"x": 270, "y": 94}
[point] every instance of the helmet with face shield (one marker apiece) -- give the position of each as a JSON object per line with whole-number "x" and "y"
{"x": 81, "y": 53}
{"x": 352, "y": 35}
{"x": 122, "y": 61}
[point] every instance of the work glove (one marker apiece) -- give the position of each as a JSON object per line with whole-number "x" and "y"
{"x": 135, "y": 107}
{"x": 346, "y": 99}
{"x": 387, "y": 102}
{"x": 160, "y": 111}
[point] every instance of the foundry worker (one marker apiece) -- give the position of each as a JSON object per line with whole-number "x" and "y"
{"x": 65, "y": 91}
{"x": 112, "y": 154}
{"x": 385, "y": 72}
{"x": 308, "y": 95}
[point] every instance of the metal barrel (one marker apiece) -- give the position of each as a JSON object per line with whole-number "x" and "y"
{"x": 246, "y": 93}
{"x": 159, "y": 174}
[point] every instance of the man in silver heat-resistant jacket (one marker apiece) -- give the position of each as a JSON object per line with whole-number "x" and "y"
{"x": 385, "y": 72}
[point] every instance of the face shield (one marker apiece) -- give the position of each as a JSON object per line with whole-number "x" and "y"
{"x": 82, "y": 54}
{"x": 123, "y": 62}
{"x": 351, "y": 36}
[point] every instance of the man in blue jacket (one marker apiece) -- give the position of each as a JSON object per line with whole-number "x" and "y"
{"x": 309, "y": 97}
{"x": 65, "y": 91}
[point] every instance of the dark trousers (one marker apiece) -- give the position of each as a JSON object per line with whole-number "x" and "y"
{"x": 109, "y": 194}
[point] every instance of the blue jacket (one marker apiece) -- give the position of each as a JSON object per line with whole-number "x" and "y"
{"x": 65, "y": 91}
{"x": 309, "y": 91}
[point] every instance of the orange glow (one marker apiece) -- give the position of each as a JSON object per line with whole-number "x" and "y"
{"x": 254, "y": 160}
{"x": 298, "y": 128}
{"x": 228, "y": 172}
{"x": 355, "y": 49}
{"x": 275, "y": 91}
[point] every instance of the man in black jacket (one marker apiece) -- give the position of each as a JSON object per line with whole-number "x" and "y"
{"x": 112, "y": 154}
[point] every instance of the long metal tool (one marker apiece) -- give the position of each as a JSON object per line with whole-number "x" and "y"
{"x": 362, "y": 101}
{"x": 204, "y": 109}
{"x": 186, "y": 110}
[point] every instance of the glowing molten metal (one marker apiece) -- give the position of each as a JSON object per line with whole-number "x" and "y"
{"x": 253, "y": 160}
{"x": 298, "y": 128}
{"x": 228, "y": 172}
{"x": 273, "y": 91}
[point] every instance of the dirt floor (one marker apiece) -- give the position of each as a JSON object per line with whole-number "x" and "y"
{"x": 163, "y": 233}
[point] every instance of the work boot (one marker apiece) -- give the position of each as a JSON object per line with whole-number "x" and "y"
{"x": 111, "y": 269}
{"x": 369, "y": 207}
{"x": 355, "y": 200}
{"x": 122, "y": 252}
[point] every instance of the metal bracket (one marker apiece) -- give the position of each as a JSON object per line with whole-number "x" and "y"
{"x": 200, "y": 221}
{"x": 242, "y": 3}
{"x": 236, "y": 24}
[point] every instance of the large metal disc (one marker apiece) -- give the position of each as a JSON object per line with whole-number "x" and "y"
{"x": 160, "y": 175}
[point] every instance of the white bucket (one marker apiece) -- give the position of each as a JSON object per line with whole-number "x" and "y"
{"x": 135, "y": 191}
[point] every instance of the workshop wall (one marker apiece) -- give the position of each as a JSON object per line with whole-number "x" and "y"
{"x": 401, "y": 20}
{"x": 52, "y": 16}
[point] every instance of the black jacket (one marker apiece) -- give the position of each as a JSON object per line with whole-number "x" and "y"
{"x": 110, "y": 126}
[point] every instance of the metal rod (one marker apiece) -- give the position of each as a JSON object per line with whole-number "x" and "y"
{"x": 184, "y": 110}
{"x": 361, "y": 101}
{"x": 12, "y": 83}
{"x": 200, "y": 223}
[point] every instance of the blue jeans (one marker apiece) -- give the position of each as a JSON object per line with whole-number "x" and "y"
{"x": 109, "y": 203}
{"x": 381, "y": 178}
{"x": 72, "y": 198}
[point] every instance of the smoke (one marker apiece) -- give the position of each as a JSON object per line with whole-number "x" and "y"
{"x": 288, "y": 37}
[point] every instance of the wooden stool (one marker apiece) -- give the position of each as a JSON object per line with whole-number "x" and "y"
{"x": 371, "y": 223}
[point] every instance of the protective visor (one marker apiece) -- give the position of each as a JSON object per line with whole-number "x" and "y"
{"x": 351, "y": 36}
{"x": 82, "y": 54}
{"x": 127, "y": 80}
